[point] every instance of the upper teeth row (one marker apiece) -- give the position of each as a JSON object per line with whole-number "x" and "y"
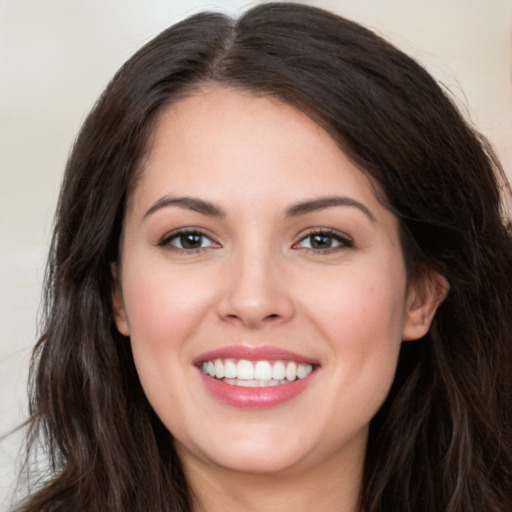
{"x": 256, "y": 370}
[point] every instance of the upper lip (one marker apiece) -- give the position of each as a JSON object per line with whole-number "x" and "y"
{"x": 254, "y": 353}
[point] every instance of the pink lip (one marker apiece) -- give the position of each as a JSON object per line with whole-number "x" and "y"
{"x": 255, "y": 398}
{"x": 251, "y": 353}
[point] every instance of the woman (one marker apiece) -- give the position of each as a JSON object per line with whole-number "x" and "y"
{"x": 279, "y": 280}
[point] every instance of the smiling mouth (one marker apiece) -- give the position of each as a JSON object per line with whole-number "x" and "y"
{"x": 253, "y": 374}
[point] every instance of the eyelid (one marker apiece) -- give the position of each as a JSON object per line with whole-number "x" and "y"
{"x": 165, "y": 240}
{"x": 346, "y": 241}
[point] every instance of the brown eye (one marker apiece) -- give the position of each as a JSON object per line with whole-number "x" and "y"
{"x": 188, "y": 241}
{"x": 321, "y": 241}
{"x": 324, "y": 241}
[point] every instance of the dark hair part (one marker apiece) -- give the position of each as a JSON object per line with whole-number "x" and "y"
{"x": 442, "y": 441}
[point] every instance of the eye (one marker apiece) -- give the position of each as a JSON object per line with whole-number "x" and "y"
{"x": 324, "y": 241}
{"x": 187, "y": 240}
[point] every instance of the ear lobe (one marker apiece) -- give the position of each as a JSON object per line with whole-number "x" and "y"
{"x": 424, "y": 296}
{"x": 118, "y": 308}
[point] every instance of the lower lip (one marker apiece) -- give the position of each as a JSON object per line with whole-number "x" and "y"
{"x": 255, "y": 398}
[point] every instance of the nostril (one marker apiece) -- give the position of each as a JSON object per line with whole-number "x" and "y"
{"x": 254, "y": 310}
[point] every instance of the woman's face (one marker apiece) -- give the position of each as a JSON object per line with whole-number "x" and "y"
{"x": 263, "y": 288}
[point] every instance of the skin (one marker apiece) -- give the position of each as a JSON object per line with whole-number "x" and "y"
{"x": 256, "y": 279}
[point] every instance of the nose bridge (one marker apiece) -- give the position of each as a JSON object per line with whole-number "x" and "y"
{"x": 255, "y": 293}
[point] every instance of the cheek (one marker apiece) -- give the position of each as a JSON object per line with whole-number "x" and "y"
{"x": 360, "y": 320}
{"x": 164, "y": 310}
{"x": 163, "y": 304}
{"x": 360, "y": 308}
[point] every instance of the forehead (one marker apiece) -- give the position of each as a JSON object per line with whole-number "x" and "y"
{"x": 225, "y": 139}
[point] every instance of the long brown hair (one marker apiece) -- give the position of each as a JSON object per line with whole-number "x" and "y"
{"x": 442, "y": 441}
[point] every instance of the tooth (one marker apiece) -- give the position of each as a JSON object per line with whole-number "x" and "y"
{"x": 263, "y": 373}
{"x": 251, "y": 383}
{"x": 219, "y": 369}
{"x": 229, "y": 369}
{"x": 291, "y": 371}
{"x": 263, "y": 370}
{"x": 278, "y": 371}
{"x": 245, "y": 370}
{"x": 301, "y": 371}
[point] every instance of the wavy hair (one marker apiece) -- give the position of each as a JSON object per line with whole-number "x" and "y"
{"x": 443, "y": 439}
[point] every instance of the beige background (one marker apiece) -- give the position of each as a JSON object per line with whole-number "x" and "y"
{"x": 56, "y": 57}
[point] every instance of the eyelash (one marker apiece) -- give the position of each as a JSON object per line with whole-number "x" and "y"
{"x": 343, "y": 241}
{"x": 166, "y": 241}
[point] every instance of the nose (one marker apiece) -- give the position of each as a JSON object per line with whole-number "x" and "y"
{"x": 255, "y": 292}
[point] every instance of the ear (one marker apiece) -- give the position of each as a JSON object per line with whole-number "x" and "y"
{"x": 424, "y": 296}
{"x": 118, "y": 308}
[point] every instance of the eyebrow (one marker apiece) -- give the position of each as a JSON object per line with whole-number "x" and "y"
{"x": 301, "y": 208}
{"x": 188, "y": 203}
{"x": 322, "y": 203}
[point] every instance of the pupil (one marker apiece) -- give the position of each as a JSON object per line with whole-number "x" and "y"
{"x": 190, "y": 241}
{"x": 321, "y": 241}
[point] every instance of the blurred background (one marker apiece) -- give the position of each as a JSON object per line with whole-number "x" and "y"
{"x": 56, "y": 56}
